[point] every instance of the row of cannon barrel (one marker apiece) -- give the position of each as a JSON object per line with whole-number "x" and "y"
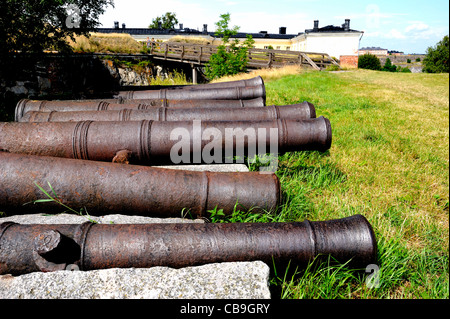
{"x": 76, "y": 150}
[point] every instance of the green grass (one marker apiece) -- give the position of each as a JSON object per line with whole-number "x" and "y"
{"x": 389, "y": 161}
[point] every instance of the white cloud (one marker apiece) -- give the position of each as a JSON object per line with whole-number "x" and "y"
{"x": 417, "y": 26}
{"x": 395, "y": 34}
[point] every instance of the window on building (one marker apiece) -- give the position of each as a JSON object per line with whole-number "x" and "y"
{"x": 288, "y": 48}
{"x": 278, "y": 47}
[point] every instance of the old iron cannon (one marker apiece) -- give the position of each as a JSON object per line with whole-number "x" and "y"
{"x": 221, "y": 93}
{"x": 88, "y": 246}
{"x": 159, "y": 142}
{"x": 104, "y": 188}
{"x": 273, "y": 112}
{"x": 256, "y": 81}
{"x": 25, "y": 105}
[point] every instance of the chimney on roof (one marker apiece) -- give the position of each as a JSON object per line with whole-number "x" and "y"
{"x": 282, "y": 30}
{"x": 116, "y": 24}
{"x": 347, "y": 25}
{"x": 205, "y": 29}
{"x": 123, "y": 26}
{"x": 316, "y": 25}
{"x": 181, "y": 26}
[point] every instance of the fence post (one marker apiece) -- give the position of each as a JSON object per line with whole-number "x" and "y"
{"x": 271, "y": 59}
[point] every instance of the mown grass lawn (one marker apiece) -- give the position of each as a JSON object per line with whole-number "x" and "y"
{"x": 389, "y": 161}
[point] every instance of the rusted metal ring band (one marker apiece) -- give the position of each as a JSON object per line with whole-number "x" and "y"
{"x": 102, "y": 106}
{"x": 144, "y": 140}
{"x": 79, "y": 140}
{"x": 20, "y": 109}
{"x": 125, "y": 114}
{"x": 42, "y": 106}
{"x": 275, "y": 111}
{"x": 312, "y": 236}
{"x": 238, "y": 93}
{"x": 49, "y": 118}
{"x": 4, "y": 226}
{"x": 129, "y": 95}
{"x": 282, "y": 133}
{"x": 80, "y": 238}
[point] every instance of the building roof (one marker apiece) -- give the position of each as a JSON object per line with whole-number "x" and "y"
{"x": 260, "y": 35}
{"x": 372, "y": 49}
{"x": 330, "y": 28}
{"x": 187, "y": 31}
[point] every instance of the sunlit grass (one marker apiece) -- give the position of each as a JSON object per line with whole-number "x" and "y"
{"x": 389, "y": 161}
{"x": 105, "y": 43}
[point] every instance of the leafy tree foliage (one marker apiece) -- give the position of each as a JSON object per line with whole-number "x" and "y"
{"x": 389, "y": 67}
{"x": 231, "y": 57}
{"x": 167, "y": 21}
{"x": 37, "y": 25}
{"x": 369, "y": 61}
{"x": 437, "y": 58}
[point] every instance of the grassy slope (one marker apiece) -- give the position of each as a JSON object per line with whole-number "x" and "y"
{"x": 389, "y": 162}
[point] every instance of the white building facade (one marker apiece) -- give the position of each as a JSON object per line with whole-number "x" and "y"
{"x": 336, "y": 41}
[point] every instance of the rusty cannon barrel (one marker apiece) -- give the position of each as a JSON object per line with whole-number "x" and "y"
{"x": 221, "y": 93}
{"x": 258, "y": 80}
{"x": 159, "y": 142}
{"x": 273, "y": 112}
{"x": 31, "y": 248}
{"x": 25, "y": 105}
{"x": 105, "y": 188}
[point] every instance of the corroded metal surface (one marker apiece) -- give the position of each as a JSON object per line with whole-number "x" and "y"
{"x": 105, "y": 188}
{"x": 294, "y": 112}
{"x": 151, "y": 142}
{"x": 25, "y": 105}
{"x": 30, "y": 248}
{"x": 258, "y": 80}
{"x": 221, "y": 93}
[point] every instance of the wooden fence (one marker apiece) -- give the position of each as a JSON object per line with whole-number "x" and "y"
{"x": 257, "y": 58}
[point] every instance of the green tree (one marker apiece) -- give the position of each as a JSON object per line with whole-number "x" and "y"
{"x": 369, "y": 61}
{"x": 167, "y": 21}
{"x": 36, "y": 25}
{"x": 232, "y": 56}
{"x": 388, "y": 66}
{"x": 437, "y": 58}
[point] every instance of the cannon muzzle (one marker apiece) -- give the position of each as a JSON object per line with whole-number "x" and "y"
{"x": 31, "y": 248}
{"x": 105, "y": 188}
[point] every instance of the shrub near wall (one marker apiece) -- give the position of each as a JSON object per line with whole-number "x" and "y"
{"x": 369, "y": 61}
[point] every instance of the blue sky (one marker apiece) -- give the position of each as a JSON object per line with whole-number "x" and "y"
{"x": 410, "y": 26}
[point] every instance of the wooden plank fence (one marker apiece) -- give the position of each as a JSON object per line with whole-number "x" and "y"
{"x": 258, "y": 58}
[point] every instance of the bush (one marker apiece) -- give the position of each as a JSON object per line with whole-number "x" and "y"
{"x": 369, "y": 61}
{"x": 408, "y": 60}
{"x": 231, "y": 58}
{"x": 389, "y": 67}
{"x": 436, "y": 60}
{"x": 403, "y": 70}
